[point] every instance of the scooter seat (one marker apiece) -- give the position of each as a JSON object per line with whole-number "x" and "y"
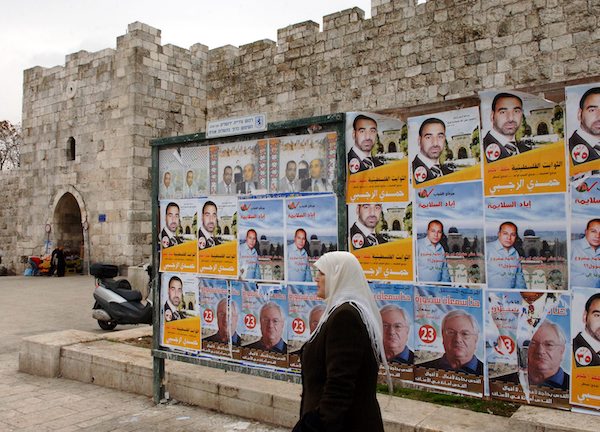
{"x": 129, "y": 295}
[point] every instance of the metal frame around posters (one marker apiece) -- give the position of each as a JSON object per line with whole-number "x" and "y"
{"x": 329, "y": 123}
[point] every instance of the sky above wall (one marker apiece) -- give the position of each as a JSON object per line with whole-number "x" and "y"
{"x": 42, "y": 33}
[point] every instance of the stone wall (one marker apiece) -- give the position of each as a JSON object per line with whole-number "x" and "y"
{"x": 9, "y": 218}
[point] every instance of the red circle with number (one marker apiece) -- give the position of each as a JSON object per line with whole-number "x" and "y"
{"x": 427, "y": 334}
{"x": 209, "y": 316}
{"x": 508, "y": 342}
{"x": 250, "y": 321}
{"x": 298, "y": 326}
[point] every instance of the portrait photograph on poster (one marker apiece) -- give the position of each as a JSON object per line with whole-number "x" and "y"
{"x": 264, "y": 332}
{"x": 194, "y": 171}
{"x": 377, "y": 158}
{"x": 523, "y": 144}
{"x": 527, "y": 340}
{"x": 311, "y": 231}
{"x": 238, "y": 168}
{"x": 526, "y": 242}
{"x": 217, "y": 241}
{"x": 395, "y": 304}
{"x": 449, "y": 343}
{"x": 585, "y": 231}
{"x": 303, "y": 163}
{"x": 450, "y": 235}
{"x": 261, "y": 239}
{"x": 304, "y": 312}
{"x": 380, "y": 236}
{"x": 179, "y": 306}
{"x": 170, "y": 167}
{"x": 445, "y": 147}
{"x": 177, "y": 236}
{"x": 583, "y": 127}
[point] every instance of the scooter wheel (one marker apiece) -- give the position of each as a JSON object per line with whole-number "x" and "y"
{"x": 107, "y": 325}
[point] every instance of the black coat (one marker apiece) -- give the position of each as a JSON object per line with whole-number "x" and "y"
{"x": 490, "y": 139}
{"x": 339, "y": 377}
{"x": 579, "y": 342}
{"x": 577, "y": 139}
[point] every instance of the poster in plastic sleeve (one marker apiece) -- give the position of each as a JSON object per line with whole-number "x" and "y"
{"x": 523, "y": 144}
{"x": 585, "y": 325}
{"x": 179, "y": 306}
{"x": 527, "y": 339}
{"x": 526, "y": 242}
{"x": 395, "y": 304}
{"x": 194, "y": 171}
{"x": 238, "y": 168}
{"x": 217, "y": 241}
{"x": 304, "y": 312}
{"x": 177, "y": 238}
{"x": 583, "y": 127}
{"x": 449, "y": 345}
{"x": 220, "y": 316}
{"x": 377, "y": 159}
{"x": 585, "y": 231}
{"x": 303, "y": 163}
{"x": 311, "y": 231}
{"x": 380, "y": 236}
{"x": 264, "y": 311}
{"x": 261, "y": 239}
{"x": 450, "y": 235}
{"x": 444, "y": 147}
{"x": 170, "y": 168}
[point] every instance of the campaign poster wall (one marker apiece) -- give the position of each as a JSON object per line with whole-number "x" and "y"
{"x": 178, "y": 220}
{"x": 194, "y": 171}
{"x": 526, "y": 242}
{"x": 179, "y": 306}
{"x": 304, "y": 312}
{"x": 380, "y": 236}
{"x": 585, "y": 231}
{"x": 264, "y": 336}
{"x": 217, "y": 251}
{"x": 170, "y": 172}
{"x": 585, "y": 325}
{"x": 311, "y": 231}
{"x": 263, "y": 219}
{"x": 395, "y": 304}
{"x": 450, "y": 236}
{"x": 377, "y": 159}
{"x": 449, "y": 347}
{"x": 523, "y": 144}
{"x": 220, "y": 316}
{"x": 444, "y": 147}
{"x": 527, "y": 336}
{"x": 239, "y": 168}
{"x": 303, "y": 163}
{"x": 583, "y": 127}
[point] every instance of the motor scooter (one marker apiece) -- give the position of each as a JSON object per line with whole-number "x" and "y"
{"x": 116, "y": 303}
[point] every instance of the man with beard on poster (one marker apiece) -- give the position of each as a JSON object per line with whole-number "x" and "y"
{"x": 207, "y": 232}
{"x": 432, "y": 142}
{"x": 362, "y": 232}
{"x": 364, "y": 134}
{"x": 460, "y": 333}
{"x": 586, "y": 345}
{"x": 169, "y": 236}
{"x": 584, "y": 144}
{"x": 171, "y": 307}
{"x": 396, "y": 329}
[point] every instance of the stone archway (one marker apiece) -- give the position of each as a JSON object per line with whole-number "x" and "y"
{"x": 67, "y": 221}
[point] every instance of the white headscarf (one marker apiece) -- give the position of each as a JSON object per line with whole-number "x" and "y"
{"x": 345, "y": 282}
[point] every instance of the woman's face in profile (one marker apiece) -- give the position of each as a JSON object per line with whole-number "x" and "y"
{"x": 320, "y": 278}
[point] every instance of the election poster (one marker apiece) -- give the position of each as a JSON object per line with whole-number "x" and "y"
{"x": 526, "y": 242}
{"x": 523, "y": 144}
{"x": 238, "y": 168}
{"x": 179, "y": 306}
{"x": 194, "y": 171}
{"x": 450, "y": 236}
{"x": 527, "y": 339}
{"x": 178, "y": 220}
{"x": 261, "y": 239}
{"x": 583, "y": 127}
{"x": 395, "y": 304}
{"x": 304, "y": 312}
{"x": 220, "y": 316}
{"x": 585, "y": 231}
{"x": 449, "y": 347}
{"x": 217, "y": 251}
{"x": 264, "y": 310}
{"x": 380, "y": 236}
{"x": 585, "y": 325}
{"x": 303, "y": 163}
{"x": 377, "y": 159}
{"x": 444, "y": 147}
{"x": 311, "y": 231}
{"x": 170, "y": 167}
